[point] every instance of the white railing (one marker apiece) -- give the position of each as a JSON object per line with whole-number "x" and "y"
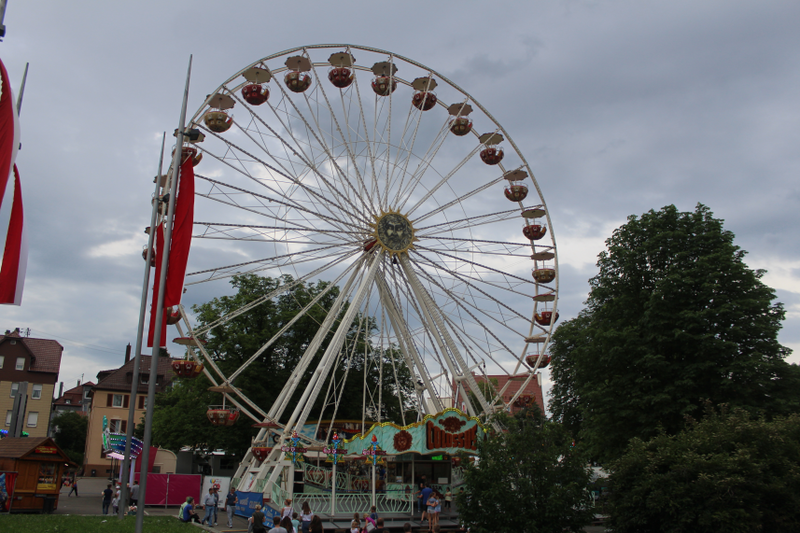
{"x": 349, "y": 503}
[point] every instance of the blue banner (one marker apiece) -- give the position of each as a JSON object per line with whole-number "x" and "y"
{"x": 246, "y": 505}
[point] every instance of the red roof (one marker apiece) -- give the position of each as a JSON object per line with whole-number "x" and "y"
{"x": 121, "y": 378}
{"x": 46, "y": 353}
{"x": 75, "y": 395}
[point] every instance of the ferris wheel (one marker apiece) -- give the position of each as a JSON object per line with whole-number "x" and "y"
{"x": 381, "y": 177}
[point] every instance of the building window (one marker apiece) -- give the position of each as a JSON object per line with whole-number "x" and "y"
{"x": 142, "y": 402}
{"x": 36, "y": 394}
{"x": 2, "y": 360}
{"x": 20, "y": 363}
{"x": 86, "y": 394}
{"x": 117, "y": 401}
{"x": 145, "y": 379}
{"x": 14, "y": 389}
{"x": 8, "y": 418}
{"x": 67, "y": 401}
{"x": 33, "y": 419}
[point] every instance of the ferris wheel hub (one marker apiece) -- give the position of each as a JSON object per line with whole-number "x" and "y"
{"x": 394, "y": 232}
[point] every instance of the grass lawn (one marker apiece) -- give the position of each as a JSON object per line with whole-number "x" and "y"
{"x": 91, "y": 524}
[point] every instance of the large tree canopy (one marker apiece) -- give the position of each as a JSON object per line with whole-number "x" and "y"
{"x": 674, "y": 317}
{"x": 528, "y": 477}
{"x": 730, "y": 472}
{"x": 180, "y": 417}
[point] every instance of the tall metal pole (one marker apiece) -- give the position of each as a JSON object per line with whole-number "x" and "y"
{"x": 126, "y": 463}
{"x": 22, "y": 88}
{"x": 151, "y": 391}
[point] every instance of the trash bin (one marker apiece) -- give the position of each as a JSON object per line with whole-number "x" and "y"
{"x": 94, "y": 472}
{"x": 48, "y": 504}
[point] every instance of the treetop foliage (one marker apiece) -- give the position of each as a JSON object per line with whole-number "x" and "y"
{"x": 528, "y": 477}
{"x": 674, "y": 317}
{"x": 729, "y": 472}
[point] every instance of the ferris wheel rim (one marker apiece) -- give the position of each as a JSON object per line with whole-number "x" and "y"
{"x": 451, "y": 84}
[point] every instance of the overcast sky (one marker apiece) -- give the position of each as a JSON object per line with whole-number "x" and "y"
{"x": 619, "y": 107}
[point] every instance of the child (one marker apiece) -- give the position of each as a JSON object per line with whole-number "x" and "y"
{"x": 355, "y": 525}
{"x": 115, "y": 503}
{"x": 295, "y": 522}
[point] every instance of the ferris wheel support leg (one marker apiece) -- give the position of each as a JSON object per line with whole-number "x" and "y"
{"x": 294, "y": 380}
{"x": 410, "y": 354}
{"x": 443, "y": 335}
{"x": 306, "y": 402}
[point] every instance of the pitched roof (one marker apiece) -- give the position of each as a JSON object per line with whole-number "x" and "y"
{"x": 14, "y": 448}
{"x": 46, "y": 352}
{"x": 75, "y": 395}
{"x": 121, "y": 378}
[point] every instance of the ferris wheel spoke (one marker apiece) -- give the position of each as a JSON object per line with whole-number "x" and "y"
{"x": 273, "y": 262}
{"x": 438, "y": 185}
{"x": 319, "y": 196}
{"x": 412, "y": 358}
{"x": 304, "y": 406}
{"x": 463, "y": 304}
{"x": 406, "y": 191}
{"x": 311, "y": 351}
{"x": 272, "y": 294}
{"x": 312, "y": 133}
{"x": 459, "y": 200}
{"x": 461, "y": 223}
{"x": 347, "y": 140}
{"x": 313, "y": 167}
{"x": 301, "y": 210}
{"x": 457, "y": 366}
{"x": 368, "y": 142}
{"x": 313, "y": 303}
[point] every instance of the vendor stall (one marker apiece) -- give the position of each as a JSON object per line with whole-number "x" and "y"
{"x": 38, "y": 463}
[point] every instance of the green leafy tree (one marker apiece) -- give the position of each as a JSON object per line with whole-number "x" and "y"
{"x": 180, "y": 418}
{"x": 674, "y": 317}
{"x": 730, "y": 472}
{"x": 528, "y": 477}
{"x": 70, "y": 434}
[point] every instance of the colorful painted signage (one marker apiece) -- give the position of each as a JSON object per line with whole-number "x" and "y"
{"x": 450, "y": 431}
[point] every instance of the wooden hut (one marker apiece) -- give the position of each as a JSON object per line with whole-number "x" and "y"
{"x": 39, "y": 463}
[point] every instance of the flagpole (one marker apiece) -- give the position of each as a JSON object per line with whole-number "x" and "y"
{"x": 126, "y": 463}
{"x": 144, "y": 458}
{"x": 22, "y": 88}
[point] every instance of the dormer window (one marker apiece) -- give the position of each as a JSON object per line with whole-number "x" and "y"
{"x": 20, "y": 363}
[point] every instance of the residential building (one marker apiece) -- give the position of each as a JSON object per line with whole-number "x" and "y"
{"x": 111, "y": 398}
{"x": 77, "y": 399}
{"x": 531, "y": 395}
{"x": 36, "y": 361}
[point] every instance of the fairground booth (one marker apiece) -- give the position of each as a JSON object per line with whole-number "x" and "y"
{"x": 382, "y": 466}
{"x": 30, "y": 474}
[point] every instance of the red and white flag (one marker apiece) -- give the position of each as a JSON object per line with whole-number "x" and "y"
{"x": 12, "y": 228}
{"x": 178, "y": 251}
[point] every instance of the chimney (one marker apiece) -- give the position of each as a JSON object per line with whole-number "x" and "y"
{"x": 60, "y": 389}
{"x": 128, "y": 353}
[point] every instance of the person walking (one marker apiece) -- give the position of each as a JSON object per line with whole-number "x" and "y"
{"x": 74, "y": 488}
{"x": 208, "y": 505}
{"x": 135, "y": 494}
{"x": 448, "y": 497}
{"x": 230, "y": 505}
{"x": 107, "y": 494}
{"x": 216, "y": 504}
